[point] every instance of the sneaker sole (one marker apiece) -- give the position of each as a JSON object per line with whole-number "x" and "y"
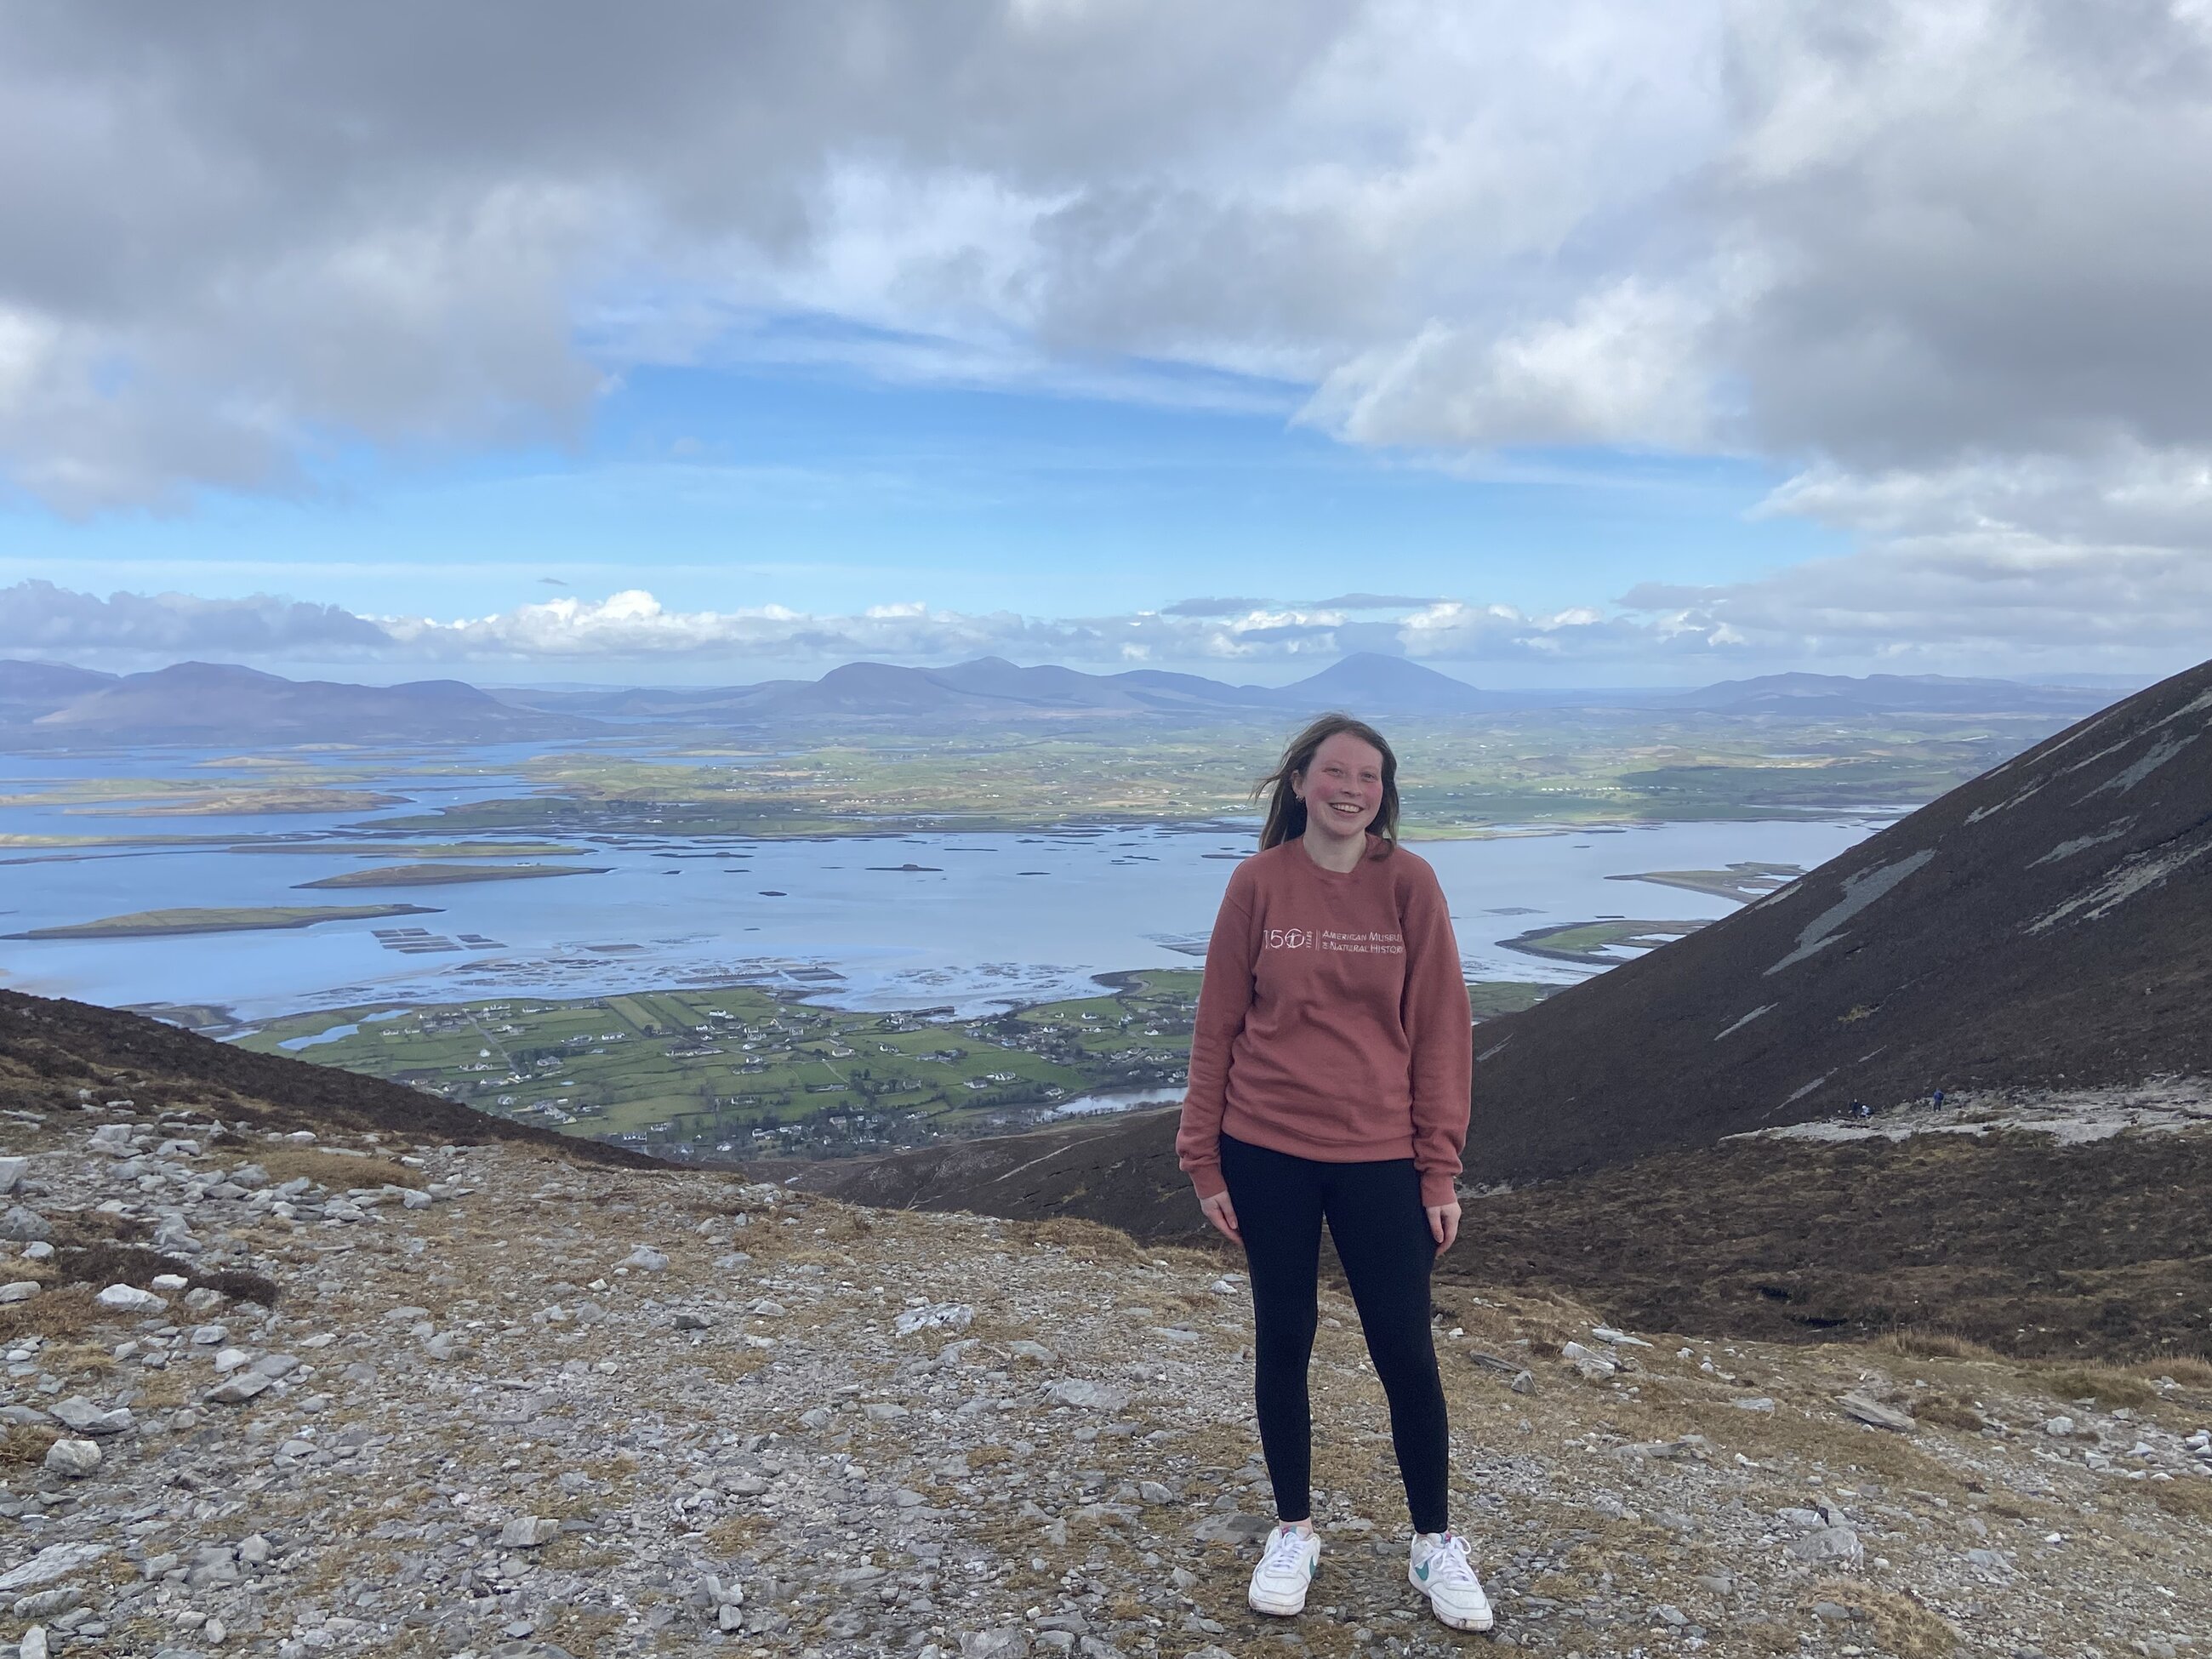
{"x": 1477, "y": 1622}
{"x": 1276, "y": 1608}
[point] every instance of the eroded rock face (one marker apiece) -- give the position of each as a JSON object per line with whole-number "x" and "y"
{"x": 459, "y": 1430}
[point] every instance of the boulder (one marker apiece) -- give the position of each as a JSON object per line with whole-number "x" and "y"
{"x": 1871, "y": 1411}
{"x": 74, "y": 1458}
{"x": 129, "y": 1298}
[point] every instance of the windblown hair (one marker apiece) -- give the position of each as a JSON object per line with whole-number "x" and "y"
{"x": 1286, "y": 813}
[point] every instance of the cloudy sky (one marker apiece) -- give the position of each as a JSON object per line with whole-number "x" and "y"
{"x": 1576, "y": 343}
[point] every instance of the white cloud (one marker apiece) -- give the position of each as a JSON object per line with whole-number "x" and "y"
{"x": 1991, "y": 605}
{"x": 1624, "y": 369}
{"x": 1997, "y": 600}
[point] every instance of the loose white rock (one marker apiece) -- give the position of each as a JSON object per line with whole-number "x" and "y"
{"x": 74, "y": 1458}
{"x": 129, "y": 1298}
{"x": 55, "y": 1561}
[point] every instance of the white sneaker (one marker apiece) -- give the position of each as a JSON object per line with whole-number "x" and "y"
{"x": 1439, "y": 1566}
{"x": 1285, "y": 1568}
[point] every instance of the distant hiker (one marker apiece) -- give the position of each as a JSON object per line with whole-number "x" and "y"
{"x": 1859, "y": 1109}
{"x": 1937, "y": 1100}
{"x": 1328, "y": 1078}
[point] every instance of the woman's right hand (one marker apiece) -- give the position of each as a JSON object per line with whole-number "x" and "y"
{"x": 1223, "y": 1214}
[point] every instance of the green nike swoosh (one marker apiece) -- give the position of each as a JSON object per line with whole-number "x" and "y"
{"x": 1422, "y": 1571}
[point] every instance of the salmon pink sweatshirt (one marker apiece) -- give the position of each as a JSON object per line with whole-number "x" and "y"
{"x": 1332, "y": 1021}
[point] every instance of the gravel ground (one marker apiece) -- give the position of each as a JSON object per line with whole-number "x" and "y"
{"x": 507, "y": 1404}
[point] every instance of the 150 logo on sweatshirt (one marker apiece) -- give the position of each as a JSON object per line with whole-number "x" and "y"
{"x": 1328, "y": 938}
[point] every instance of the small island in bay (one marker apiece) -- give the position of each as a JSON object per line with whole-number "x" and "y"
{"x": 238, "y": 919}
{"x": 239, "y": 803}
{"x": 441, "y": 875}
{"x": 400, "y": 849}
{"x": 1741, "y": 882}
{"x": 1593, "y": 943}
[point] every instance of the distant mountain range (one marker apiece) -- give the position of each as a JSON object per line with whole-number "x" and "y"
{"x": 990, "y": 687}
{"x": 197, "y": 702}
{"x": 49, "y": 704}
{"x": 1813, "y": 695}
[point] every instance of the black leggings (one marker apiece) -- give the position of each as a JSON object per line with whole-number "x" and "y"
{"x": 1382, "y": 1233}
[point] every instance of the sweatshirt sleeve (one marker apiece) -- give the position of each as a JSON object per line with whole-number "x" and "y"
{"x": 1223, "y": 996}
{"x": 1440, "y": 1032}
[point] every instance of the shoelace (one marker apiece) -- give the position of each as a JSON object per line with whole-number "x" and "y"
{"x": 1288, "y": 1551}
{"x": 1448, "y": 1562}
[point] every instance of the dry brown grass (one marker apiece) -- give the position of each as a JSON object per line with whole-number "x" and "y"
{"x": 335, "y": 1169}
{"x": 737, "y": 1532}
{"x": 25, "y": 1444}
{"x": 1902, "y": 1627}
{"x": 1920, "y": 1343}
{"x": 2185, "y": 1369}
{"x": 67, "y": 1313}
{"x": 2102, "y": 1383}
{"x": 169, "y": 1387}
{"x": 1946, "y": 1411}
{"x": 88, "y": 1228}
{"x": 67, "y": 1358}
{"x": 2189, "y": 1496}
{"x": 1086, "y": 1240}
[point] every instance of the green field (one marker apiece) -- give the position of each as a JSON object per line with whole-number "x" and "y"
{"x": 741, "y": 1071}
{"x": 1461, "y": 777}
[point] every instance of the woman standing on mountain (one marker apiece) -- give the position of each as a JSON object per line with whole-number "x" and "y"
{"x": 1328, "y": 1079}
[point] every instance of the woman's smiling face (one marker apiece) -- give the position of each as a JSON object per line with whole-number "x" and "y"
{"x": 1343, "y": 787}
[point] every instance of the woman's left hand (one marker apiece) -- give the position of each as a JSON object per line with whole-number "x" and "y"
{"x": 1444, "y": 1225}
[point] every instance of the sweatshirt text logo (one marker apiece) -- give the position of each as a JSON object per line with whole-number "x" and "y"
{"x": 1329, "y": 938}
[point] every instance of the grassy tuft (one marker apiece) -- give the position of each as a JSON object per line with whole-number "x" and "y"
{"x": 1923, "y": 1344}
{"x": 1902, "y": 1626}
{"x": 334, "y": 1170}
{"x": 2107, "y": 1386}
{"x": 2189, "y": 1496}
{"x": 25, "y": 1443}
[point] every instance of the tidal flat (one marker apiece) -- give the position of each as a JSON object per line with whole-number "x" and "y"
{"x": 443, "y": 875}
{"x": 165, "y": 924}
{"x": 879, "y": 869}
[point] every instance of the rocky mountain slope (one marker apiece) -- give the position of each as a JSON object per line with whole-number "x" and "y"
{"x": 378, "y": 1394}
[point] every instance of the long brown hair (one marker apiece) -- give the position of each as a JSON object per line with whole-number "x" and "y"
{"x": 1286, "y": 813}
